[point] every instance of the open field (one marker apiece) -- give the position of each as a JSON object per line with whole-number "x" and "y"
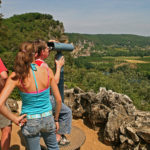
{"x": 141, "y": 63}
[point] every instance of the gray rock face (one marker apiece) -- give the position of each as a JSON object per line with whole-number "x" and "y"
{"x": 124, "y": 127}
{"x": 12, "y": 104}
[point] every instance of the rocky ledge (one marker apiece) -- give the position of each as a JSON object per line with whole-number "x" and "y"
{"x": 118, "y": 122}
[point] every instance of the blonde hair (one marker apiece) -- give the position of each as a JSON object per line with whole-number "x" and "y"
{"x": 23, "y": 60}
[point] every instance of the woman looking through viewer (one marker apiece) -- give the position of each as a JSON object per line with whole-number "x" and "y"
{"x": 36, "y": 106}
{"x": 65, "y": 117}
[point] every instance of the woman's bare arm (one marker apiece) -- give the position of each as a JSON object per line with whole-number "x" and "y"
{"x": 57, "y": 98}
{"x": 7, "y": 90}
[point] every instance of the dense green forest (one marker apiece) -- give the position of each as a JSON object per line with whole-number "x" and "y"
{"x": 28, "y": 27}
{"x": 117, "y": 62}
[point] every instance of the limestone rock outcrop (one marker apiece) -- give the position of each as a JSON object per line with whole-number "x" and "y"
{"x": 113, "y": 114}
{"x": 12, "y": 104}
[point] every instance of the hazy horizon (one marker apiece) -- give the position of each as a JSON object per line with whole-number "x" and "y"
{"x": 89, "y": 16}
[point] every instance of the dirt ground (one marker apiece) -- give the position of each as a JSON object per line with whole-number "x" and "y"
{"x": 91, "y": 142}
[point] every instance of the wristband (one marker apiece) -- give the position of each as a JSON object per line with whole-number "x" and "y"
{"x": 56, "y": 120}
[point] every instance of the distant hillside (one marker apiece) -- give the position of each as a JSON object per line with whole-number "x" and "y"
{"x": 27, "y": 27}
{"x": 31, "y": 26}
{"x": 110, "y": 44}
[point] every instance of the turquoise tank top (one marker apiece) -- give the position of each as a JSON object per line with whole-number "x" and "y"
{"x": 36, "y": 102}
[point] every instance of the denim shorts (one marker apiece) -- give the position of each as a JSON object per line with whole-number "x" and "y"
{"x": 34, "y": 127}
{"x": 4, "y": 122}
{"x": 65, "y": 117}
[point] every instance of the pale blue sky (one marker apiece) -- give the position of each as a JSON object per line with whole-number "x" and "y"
{"x": 89, "y": 16}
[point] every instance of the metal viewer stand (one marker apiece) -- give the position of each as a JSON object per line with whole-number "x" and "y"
{"x": 59, "y": 47}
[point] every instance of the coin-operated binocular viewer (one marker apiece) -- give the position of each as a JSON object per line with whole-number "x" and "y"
{"x": 59, "y": 47}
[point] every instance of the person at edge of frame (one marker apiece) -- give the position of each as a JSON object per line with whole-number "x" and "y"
{"x": 5, "y": 124}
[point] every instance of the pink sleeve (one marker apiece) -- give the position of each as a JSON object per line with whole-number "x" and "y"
{"x": 2, "y": 66}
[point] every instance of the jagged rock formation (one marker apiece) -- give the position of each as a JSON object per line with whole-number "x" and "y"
{"x": 57, "y": 33}
{"x": 12, "y": 104}
{"x": 82, "y": 48}
{"x": 119, "y": 123}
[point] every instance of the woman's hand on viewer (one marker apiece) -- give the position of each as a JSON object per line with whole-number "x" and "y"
{"x": 60, "y": 62}
{"x": 53, "y": 41}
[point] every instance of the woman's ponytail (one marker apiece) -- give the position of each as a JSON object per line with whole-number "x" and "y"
{"x": 23, "y": 60}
